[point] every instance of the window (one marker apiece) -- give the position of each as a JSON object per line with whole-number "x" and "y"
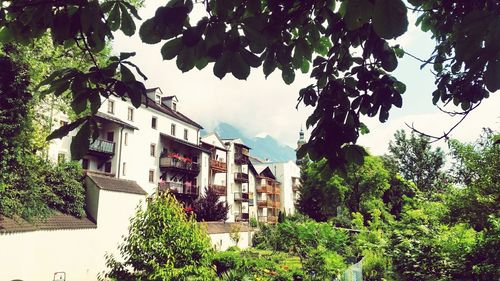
{"x": 172, "y": 130}
{"x": 63, "y": 123}
{"x": 152, "y": 149}
{"x": 130, "y": 115}
{"x": 107, "y": 167}
{"x": 85, "y": 164}
{"x": 174, "y": 106}
{"x": 110, "y": 136}
{"x": 185, "y": 134}
{"x": 125, "y": 139}
{"x": 158, "y": 99}
{"x": 153, "y": 122}
{"x": 151, "y": 176}
{"x": 111, "y": 106}
{"x": 124, "y": 168}
{"x": 61, "y": 157}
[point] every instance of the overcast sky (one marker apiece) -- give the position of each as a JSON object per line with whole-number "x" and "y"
{"x": 260, "y": 106}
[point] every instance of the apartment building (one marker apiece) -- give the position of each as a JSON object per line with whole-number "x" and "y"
{"x": 155, "y": 145}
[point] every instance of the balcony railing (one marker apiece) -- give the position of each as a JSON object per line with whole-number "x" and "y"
{"x": 240, "y": 177}
{"x": 174, "y": 163}
{"x": 241, "y": 217}
{"x": 218, "y": 166}
{"x": 262, "y": 218}
{"x": 262, "y": 203}
{"x": 240, "y": 196}
{"x": 219, "y": 189}
{"x": 276, "y": 190}
{"x": 270, "y": 204}
{"x": 272, "y": 219}
{"x": 178, "y": 187}
{"x": 262, "y": 189}
{"x": 102, "y": 146}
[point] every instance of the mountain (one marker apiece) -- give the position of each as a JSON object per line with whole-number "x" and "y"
{"x": 261, "y": 147}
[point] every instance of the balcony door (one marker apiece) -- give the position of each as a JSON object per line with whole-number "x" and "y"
{"x": 110, "y": 136}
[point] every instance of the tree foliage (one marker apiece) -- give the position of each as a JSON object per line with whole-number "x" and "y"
{"x": 209, "y": 208}
{"x": 415, "y": 159}
{"x": 163, "y": 244}
{"x": 346, "y": 43}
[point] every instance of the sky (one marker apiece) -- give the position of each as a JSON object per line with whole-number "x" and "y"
{"x": 260, "y": 106}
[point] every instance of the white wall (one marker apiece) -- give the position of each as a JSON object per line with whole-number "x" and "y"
{"x": 37, "y": 255}
{"x": 222, "y": 241}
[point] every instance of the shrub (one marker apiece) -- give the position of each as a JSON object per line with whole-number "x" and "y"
{"x": 225, "y": 261}
{"x": 320, "y": 264}
{"x": 209, "y": 208}
{"x": 163, "y": 244}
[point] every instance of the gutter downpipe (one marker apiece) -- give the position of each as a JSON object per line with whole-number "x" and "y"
{"x": 120, "y": 152}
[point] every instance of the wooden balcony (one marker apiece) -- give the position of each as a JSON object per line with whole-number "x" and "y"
{"x": 170, "y": 163}
{"x": 218, "y": 166}
{"x": 262, "y": 219}
{"x": 240, "y": 196}
{"x": 178, "y": 188}
{"x": 262, "y": 203}
{"x": 219, "y": 189}
{"x": 103, "y": 147}
{"x": 241, "y": 217}
{"x": 262, "y": 189}
{"x": 272, "y": 219}
{"x": 270, "y": 204}
{"x": 240, "y": 177}
{"x": 276, "y": 190}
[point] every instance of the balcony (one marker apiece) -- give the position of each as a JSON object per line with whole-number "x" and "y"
{"x": 101, "y": 146}
{"x": 262, "y": 203}
{"x": 178, "y": 188}
{"x": 270, "y": 204}
{"x": 276, "y": 190}
{"x": 240, "y": 159}
{"x": 240, "y": 196}
{"x": 261, "y": 189}
{"x": 241, "y": 217}
{"x": 218, "y": 189}
{"x": 262, "y": 219}
{"x": 272, "y": 219}
{"x": 170, "y": 163}
{"x": 218, "y": 166}
{"x": 240, "y": 177}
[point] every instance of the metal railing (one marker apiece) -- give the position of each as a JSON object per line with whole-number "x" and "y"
{"x": 240, "y": 196}
{"x": 102, "y": 146}
{"x": 177, "y": 187}
{"x": 218, "y": 189}
{"x": 240, "y": 177}
{"x": 169, "y": 162}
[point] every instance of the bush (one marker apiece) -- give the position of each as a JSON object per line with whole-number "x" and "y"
{"x": 321, "y": 264}
{"x": 209, "y": 208}
{"x": 163, "y": 244}
{"x": 225, "y": 261}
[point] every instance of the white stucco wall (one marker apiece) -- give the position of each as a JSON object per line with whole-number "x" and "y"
{"x": 222, "y": 241}
{"x": 37, "y": 255}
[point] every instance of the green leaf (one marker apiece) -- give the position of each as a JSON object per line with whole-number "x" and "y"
{"x": 114, "y": 17}
{"x": 191, "y": 36}
{"x": 221, "y": 66}
{"x": 357, "y": 13}
{"x": 81, "y": 142}
{"x": 250, "y": 58}
{"x": 126, "y": 74}
{"x": 171, "y": 49}
{"x": 135, "y": 90}
{"x": 390, "y": 18}
{"x": 400, "y": 87}
{"x": 201, "y": 63}
{"x": 397, "y": 100}
{"x": 64, "y": 130}
{"x": 127, "y": 23}
{"x": 186, "y": 59}
{"x": 5, "y": 35}
{"x": 148, "y": 33}
{"x": 354, "y": 153}
{"x": 124, "y": 56}
{"x": 239, "y": 67}
{"x": 95, "y": 102}
{"x": 304, "y": 67}
{"x": 492, "y": 75}
{"x": 389, "y": 61}
{"x": 269, "y": 64}
{"x": 288, "y": 75}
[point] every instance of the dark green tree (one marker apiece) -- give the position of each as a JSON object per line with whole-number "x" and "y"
{"x": 235, "y": 36}
{"x": 415, "y": 159}
{"x": 209, "y": 208}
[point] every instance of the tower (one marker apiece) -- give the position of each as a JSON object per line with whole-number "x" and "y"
{"x": 300, "y": 143}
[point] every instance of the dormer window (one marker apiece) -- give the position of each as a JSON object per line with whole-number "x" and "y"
{"x": 158, "y": 99}
{"x": 174, "y": 106}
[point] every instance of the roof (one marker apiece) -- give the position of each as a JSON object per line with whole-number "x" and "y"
{"x": 252, "y": 168}
{"x": 236, "y": 141}
{"x": 223, "y": 227}
{"x": 211, "y": 144}
{"x": 115, "y": 120}
{"x": 166, "y": 110}
{"x": 183, "y": 142}
{"x": 265, "y": 171}
{"x": 170, "y": 97}
{"x": 56, "y": 221}
{"x": 117, "y": 185}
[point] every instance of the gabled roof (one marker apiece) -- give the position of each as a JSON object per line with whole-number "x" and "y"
{"x": 220, "y": 145}
{"x": 170, "y": 98}
{"x": 186, "y": 143}
{"x": 252, "y": 168}
{"x": 265, "y": 171}
{"x": 55, "y": 221}
{"x": 116, "y": 185}
{"x": 115, "y": 120}
{"x": 166, "y": 110}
